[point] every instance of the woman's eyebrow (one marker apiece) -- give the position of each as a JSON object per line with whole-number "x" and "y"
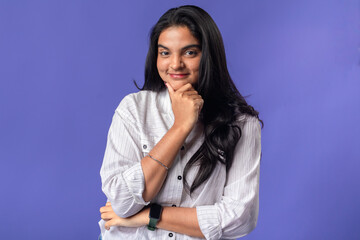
{"x": 191, "y": 46}
{"x": 162, "y": 46}
{"x": 186, "y": 47}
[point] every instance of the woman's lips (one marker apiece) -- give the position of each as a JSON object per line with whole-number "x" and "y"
{"x": 178, "y": 75}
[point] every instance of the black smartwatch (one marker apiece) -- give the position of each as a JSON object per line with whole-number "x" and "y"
{"x": 154, "y": 215}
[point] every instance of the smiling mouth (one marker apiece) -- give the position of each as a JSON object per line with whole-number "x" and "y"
{"x": 178, "y": 75}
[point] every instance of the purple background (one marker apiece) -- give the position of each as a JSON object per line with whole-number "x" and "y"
{"x": 65, "y": 66}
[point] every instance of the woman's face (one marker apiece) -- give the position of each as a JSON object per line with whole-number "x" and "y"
{"x": 179, "y": 55}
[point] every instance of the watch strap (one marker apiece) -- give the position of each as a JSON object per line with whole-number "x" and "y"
{"x": 152, "y": 224}
{"x": 154, "y": 215}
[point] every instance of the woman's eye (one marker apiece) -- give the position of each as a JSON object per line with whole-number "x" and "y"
{"x": 164, "y": 53}
{"x": 190, "y": 53}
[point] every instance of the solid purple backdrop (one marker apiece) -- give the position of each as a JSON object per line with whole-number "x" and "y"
{"x": 65, "y": 65}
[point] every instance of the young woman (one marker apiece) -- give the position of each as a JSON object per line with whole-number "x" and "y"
{"x": 183, "y": 155}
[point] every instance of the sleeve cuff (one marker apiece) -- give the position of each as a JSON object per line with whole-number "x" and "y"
{"x": 134, "y": 178}
{"x": 209, "y": 221}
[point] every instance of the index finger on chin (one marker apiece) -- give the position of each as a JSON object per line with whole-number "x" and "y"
{"x": 185, "y": 88}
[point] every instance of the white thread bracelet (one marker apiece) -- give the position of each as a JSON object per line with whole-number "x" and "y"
{"x": 159, "y": 162}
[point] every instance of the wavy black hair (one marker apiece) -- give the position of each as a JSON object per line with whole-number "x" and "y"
{"x": 223, "y": 103}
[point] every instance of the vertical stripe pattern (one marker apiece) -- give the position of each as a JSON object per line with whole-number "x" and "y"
{"x": 227, "y": 203}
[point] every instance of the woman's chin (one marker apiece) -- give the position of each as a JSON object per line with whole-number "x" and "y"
{"x": 177, "y": 85}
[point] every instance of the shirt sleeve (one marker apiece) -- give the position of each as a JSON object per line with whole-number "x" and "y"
{"x": 121, "y": 173}
{"x": 235, "y": 215}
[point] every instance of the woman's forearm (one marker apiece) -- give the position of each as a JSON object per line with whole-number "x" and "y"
{"x": 165, "y": 151}
{"x": 180, "y": 220}
{"x": 186, "y": 104}
{"x": 174, "y": 219}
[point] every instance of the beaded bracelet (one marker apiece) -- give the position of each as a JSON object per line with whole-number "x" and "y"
{"x": 159, "y": 162}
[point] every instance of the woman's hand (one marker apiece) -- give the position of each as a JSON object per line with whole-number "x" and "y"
{"x": 138, "y": 220}
{"x": 186, "y": 105}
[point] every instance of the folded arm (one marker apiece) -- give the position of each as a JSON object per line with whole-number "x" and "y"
{"x": 235, "y": 215}
{"x": 121, "y": 173}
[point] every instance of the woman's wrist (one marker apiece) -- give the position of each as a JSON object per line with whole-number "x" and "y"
{"x": 181, "y": 129}
{"x": 145, "y": 216}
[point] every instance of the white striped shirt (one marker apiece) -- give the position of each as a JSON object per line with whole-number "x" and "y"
{"x": 227, "y": 204}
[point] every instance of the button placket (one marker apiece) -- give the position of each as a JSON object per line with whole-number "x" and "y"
{"x": 177, "y": 185}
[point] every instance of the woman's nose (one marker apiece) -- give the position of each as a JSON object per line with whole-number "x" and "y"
{"x": 176, "y": 62}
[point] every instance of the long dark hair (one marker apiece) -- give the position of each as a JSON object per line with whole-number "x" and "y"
{"x": 223, "y": 103}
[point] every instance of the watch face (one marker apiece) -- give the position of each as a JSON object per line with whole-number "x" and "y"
{"x": 155, "y": 211}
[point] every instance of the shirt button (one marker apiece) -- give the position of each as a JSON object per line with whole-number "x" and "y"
{"x": 179, "y": 177}
{"x": 182, "y": 148}
{"x": 170, "y": 234}
{"x": 174, "y": 205}
{"x": 144, "y": 146}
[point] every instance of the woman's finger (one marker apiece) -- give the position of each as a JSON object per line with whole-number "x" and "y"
{"x": 106, "y": 209}
{"x": 195, "y": 97}
{"x": 108, "y": 204}
{"x": 113, "y": 222}
{"x": 105, "y": 216}
{"x": 200, "y": 104}
{"x": 171, "y": 90}
{"x": 108, "y": 216}
{"x": 108, "y": 225}
{"x": 101, "y": 209}
{"x": 185, "y": 88}
{"x": 191, "y": 92}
